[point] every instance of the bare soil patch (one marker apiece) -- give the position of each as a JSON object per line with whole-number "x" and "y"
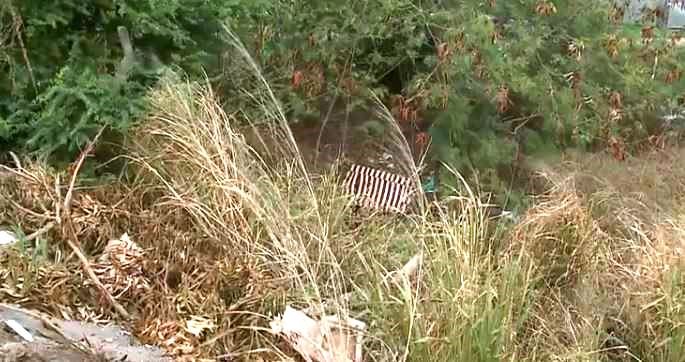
{"x": 343, "y": 137}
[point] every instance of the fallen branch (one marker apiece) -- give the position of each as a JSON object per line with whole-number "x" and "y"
{"x": 47, "y": 227}
{"x": 72, "y": 240}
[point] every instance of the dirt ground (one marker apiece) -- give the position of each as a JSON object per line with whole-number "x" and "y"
{"x": 357, "y": 136}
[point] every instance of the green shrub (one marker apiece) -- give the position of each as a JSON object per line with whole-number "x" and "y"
{"x": 491, "y": 79}
{"x": 70, "y": 70}
{"x": 537, "y": 76}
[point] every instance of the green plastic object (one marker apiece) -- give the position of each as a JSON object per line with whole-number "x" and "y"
{"x": 430, "y": 185}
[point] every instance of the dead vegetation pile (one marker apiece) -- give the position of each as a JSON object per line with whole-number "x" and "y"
{"x": 200, "y": 250}
{"x": 168, "y": 288}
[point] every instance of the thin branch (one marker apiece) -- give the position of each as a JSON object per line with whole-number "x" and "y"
{"x": 18, "y": 25}
{"x": 47, "y": 227}
{"x": 72, "y": 239}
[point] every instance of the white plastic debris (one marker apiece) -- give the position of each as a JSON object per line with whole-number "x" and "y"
{"x": 7, "y": 238}
{"x": 19, "y": 330}
{"x": 408, "y": 271}
{"x": 197, "y": 324}
{"x": 328, "y": 340}
{"x": 508, "y": 215}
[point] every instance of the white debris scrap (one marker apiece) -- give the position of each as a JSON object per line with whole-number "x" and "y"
{"x": 328, "y": 340}
{"x": 409, "y": 269}
{"x": 19, "y": 329}
{"x": 7, "y": 238}
{"x": 197, "y": 324}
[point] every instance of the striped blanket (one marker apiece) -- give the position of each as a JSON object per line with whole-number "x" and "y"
{"x": 377, "y": 189}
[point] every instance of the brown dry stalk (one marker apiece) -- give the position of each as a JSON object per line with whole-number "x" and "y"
{"x": 19, "y": 24}
{"x": 47, "y": 227}
{"x": 72, "y": 239}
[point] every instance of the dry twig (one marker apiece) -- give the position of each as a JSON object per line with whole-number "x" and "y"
{"x": 72, "y": 238}
{"x": 18, "y": 25}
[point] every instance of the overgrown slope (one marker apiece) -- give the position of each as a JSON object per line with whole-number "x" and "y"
{"x": 591, "y": 271}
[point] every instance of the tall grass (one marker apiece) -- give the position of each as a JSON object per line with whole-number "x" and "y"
{"x": 558, "y": 286}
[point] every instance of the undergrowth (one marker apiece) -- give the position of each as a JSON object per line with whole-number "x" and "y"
{"x": 590, "y": 272}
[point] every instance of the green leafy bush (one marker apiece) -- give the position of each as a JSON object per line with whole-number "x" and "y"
{"x": 493, "y": 79}
{"x": 78, "y": 66}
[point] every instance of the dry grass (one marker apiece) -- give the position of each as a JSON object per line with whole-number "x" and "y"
{"x": 607, "y": 246}
{"x": 590, "y": 272}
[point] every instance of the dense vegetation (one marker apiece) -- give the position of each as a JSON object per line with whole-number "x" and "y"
{"x": 490, "y": 80}
{"x": 591, "y": 271}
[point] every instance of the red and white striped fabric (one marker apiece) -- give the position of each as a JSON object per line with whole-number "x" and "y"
{"x": 377, "y": 189}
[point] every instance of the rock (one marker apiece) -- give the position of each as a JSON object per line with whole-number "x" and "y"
{"x": 112, "y": 343}
{"x": 41, "y": 352}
